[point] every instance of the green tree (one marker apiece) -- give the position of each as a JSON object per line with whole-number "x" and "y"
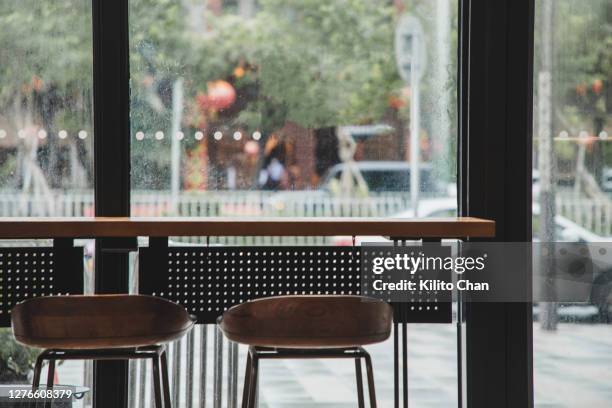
{"x": 316, "y": 63}
{"x": 582, "y": 73}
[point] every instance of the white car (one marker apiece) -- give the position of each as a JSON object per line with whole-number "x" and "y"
{"x": 565, "y": 229}
{"x": 429, "y": 208}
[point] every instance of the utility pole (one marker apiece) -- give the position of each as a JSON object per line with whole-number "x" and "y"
{"x": 415, "y": 148}
{"x": 548, "y": 310}
{"x": 410, "y": 55}
{"x": 441, "y": 124}
{"x": 175, "y": 149}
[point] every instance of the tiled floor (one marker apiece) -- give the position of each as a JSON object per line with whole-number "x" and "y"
{"x": 331, "y": 383}
{"x": 573, "y": 368}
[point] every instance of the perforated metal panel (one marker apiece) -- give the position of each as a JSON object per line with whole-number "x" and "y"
{"x": 209, "y": 280}
{"x": 33, "y": 272}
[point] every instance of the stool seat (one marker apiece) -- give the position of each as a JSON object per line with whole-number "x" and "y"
{"x": 310, "y": 321}
{"x": 98, "y": 321}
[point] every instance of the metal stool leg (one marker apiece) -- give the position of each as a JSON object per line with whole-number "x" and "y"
{"x": 50, "y": 374}
{"x": 359, "y": 382}
{"x": 370, "y": 371}
{"x": 405, "y": 363}
{"x": 157, "y": 382}
{"x": 253, "y": 381}
{"x": 50, "y": 378}
{"x": 165, "y": 379}
{"x": 247, "y": 382}
{"x": 37, "y": 371}
{"x": 396, "y": 359}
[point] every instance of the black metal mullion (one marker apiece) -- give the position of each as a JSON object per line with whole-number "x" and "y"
{"x": 111, "y": 75}
{"x": 111, "y": 172}
{"x": 462, "y": 169}
{"x": 495, "y": 162}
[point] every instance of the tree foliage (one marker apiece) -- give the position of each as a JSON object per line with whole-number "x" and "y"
{"x": 317, "y": 63}
{"x": 582, "y": 70}
{"x": 45, "y": 73}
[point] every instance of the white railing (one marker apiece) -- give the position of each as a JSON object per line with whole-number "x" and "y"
{"x": 208, "y": 204}
{"x": 592, "y": 214}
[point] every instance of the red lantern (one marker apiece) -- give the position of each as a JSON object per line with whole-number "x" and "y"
{"x": 221, "y": 95}
{"x": 597, "y": 86}
{"x": 37, "y": 83}
{"x": 396, "y": 102}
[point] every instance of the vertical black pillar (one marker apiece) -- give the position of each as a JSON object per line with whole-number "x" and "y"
{"x": 495, "y": 163}
{"x": 111, "y": 171}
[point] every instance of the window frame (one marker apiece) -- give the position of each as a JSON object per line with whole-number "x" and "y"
{"x": 495, "y": 177}
{"x": 111, "y": 94}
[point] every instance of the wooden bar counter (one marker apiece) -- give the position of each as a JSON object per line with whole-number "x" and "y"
{"x": 31, "y": 228}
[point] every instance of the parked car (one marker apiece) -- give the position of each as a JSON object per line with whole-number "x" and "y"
{"x": 386, "y": 176}
{"x": 428, "y": 208}
{"x": 565, "y": 230}
{"x": 381, "y": 177}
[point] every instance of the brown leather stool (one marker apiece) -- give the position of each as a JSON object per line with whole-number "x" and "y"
{"x": 308, "y": 327}
{"x": 101, "y": 327}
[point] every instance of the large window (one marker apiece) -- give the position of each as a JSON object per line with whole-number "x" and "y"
{"x": 572, "y": 187}
{"x": 46, "y": 135}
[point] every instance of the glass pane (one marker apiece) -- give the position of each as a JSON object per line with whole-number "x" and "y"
{"x": 46, "y": 136}
{"x": 46, "y": 146}
{"x": 573, "y": 192}
{"x": 298, "y": 108}
{"x": 292, "y": 108}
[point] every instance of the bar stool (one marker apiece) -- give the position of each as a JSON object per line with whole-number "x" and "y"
{"x": 309, "y": 326}
{"x": 102, "y": 327}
